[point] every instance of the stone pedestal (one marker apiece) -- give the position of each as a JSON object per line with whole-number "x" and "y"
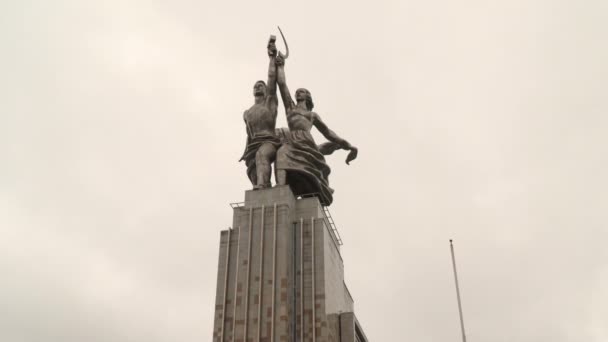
{"x": 280, "y": 274}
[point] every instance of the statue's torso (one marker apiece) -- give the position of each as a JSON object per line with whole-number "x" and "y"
{"x": 299, "y": 119}
{"x": 260, "y": 119}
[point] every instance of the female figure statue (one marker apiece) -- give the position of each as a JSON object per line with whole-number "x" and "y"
{"x": 300, "y": 162}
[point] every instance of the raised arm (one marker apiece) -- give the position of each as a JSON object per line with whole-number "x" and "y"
{"x": 282, "y": 82}
{"x": 335, "y": 142}
{"x": 271, "y": 87}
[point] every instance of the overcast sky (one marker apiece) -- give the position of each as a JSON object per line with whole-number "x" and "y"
{"x": 482, "y": 121}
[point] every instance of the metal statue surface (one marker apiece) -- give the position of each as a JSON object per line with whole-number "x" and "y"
{"x": 260, "y": 121}
{"x": 299, "y": 161}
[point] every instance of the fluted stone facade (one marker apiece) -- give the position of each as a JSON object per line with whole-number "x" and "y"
{"x": 280, "y": 274}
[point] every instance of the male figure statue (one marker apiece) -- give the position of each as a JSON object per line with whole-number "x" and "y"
{"x": 260, "y": 121}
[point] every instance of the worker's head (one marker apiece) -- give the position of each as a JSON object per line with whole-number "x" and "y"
{"x": 259, "y": 88}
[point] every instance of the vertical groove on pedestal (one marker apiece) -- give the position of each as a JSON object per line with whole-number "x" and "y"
{"x": 274, "y": 272}
{"x": 236, "y": 282}
{"x": 294, "y": 286}
{"x": 301, "y": 279}
{"x": 314, "y": 325}
{"x": 248, "y": 273}
{"x": 261, "y": 278}
{"x": 225, "y": 285}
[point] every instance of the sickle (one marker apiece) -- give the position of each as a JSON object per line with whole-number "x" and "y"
{"x": 286, "y": 46}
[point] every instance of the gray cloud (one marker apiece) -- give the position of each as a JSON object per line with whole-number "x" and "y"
{"x": 121, "y": 125}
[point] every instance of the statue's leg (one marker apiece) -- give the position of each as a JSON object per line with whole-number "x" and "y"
{"x": 263, "y": 158}
{"x": 280, "y": 175}
{"x": 252, "y": 172}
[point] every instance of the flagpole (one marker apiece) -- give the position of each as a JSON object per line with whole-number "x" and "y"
{"x": 464, "y": 336}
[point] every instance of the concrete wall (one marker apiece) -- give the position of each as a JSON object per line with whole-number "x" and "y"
{"x": 305, "y": 275}
{"x": 337, "y": 298}
{"x": 350, "y": 329}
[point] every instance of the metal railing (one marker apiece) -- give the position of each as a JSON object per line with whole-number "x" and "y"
{"x": 237, "y": 205}
{"x": 332, "y": 225}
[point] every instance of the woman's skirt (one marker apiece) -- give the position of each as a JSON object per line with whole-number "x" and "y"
{"x": 307, "y": 172}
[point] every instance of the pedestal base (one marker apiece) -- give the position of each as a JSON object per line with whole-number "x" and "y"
{"x": 280, "y": 274}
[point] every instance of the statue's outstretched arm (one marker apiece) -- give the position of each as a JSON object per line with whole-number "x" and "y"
{"x": 282, "y": 83}
{"x": 335, "y": 142}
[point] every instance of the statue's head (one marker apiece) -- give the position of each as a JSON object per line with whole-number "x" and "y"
{"x": 259, "y": 88}
{"x": 304, "y": 95}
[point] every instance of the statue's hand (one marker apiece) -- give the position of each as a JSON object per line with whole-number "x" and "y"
{"x": 352, "y": 155}
{"x": 272, "y": 49}
{"x": 280, "y": 59}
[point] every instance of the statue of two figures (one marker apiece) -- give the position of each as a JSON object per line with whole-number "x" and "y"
{"x": 299, "y": 161}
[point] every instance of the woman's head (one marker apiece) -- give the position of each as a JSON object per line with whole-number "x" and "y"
{"x": 304, "y": 95}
